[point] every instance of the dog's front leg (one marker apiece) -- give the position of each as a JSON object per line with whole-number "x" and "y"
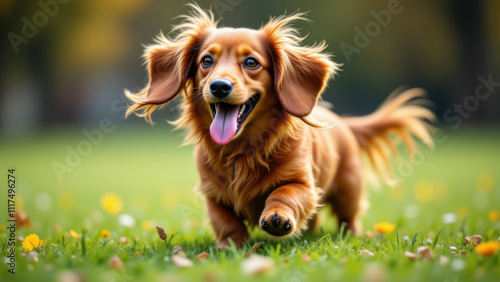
{"x": 288, "y": 208}
{"x": 226, "y": 225}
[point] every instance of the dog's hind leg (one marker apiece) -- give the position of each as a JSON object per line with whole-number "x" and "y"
{"x": 346, "y": 195}
{"x": 226, "y": 225}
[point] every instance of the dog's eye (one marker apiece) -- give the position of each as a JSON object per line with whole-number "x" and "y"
{"x": 251, "y": 63}
{"x": 207, "y": 61}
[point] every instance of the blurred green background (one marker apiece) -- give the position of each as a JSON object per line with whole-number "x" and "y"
{"x": 67, "y": 77}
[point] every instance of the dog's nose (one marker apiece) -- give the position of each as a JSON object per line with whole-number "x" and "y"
{"x": 220, "y": 87}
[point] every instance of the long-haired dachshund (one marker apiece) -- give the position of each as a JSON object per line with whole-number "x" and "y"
{"x": 265, "y": 151}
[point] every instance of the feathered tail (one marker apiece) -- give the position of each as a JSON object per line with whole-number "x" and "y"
{"x": 404, "y": 115}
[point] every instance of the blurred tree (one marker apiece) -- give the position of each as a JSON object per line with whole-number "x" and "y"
{"x": 468, "y": 17}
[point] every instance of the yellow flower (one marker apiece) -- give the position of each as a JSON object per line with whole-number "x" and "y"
{"x": 384, "y": 227}
{"x": 487, "y": 249}
{"x": 66, "y": 201}
{"x": 111, "y": 203}
{"x": 105, "y": 233}
{"x": 74, "y": 234}
{"x": 463, "y": 211}
{"x": 493, "y": 215}
{"x": 32, "y": 242}
{"x": 485, "y": 182}
{"x": 147, "y": 225}
{"x": 424, "y": 191}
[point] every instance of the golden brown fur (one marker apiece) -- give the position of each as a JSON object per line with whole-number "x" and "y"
{"x": 283, "y": 163}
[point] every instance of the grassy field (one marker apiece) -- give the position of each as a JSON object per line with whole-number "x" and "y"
{"x": 449, "y": 194}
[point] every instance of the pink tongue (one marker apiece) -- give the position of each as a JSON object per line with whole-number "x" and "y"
{"x": 225, "y": 123}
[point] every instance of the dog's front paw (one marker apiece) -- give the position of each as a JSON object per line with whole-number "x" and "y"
{"x": 277, "y": 224}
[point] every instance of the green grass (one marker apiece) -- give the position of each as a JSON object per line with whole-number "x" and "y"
{"x": 154, "y": 178}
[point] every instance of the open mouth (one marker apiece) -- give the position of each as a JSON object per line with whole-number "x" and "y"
{"x": 228, "y": 119}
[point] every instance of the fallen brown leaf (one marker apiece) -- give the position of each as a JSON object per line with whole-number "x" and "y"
{"x": 181, "y": 261}
{"x": 474, "y": 239}
{"x": 201, "y": 256}
{"x": 115, "y": 263}
{"x": 256, "y": 246}
{"x": 411, "y": 256}
{"x": 176, "y": 249}
{"x": 366, "y": 253}
{"x": 426, "y": 252}
{"x": 306, "y": 258}
{"x": 22, "y": 218}
{"x": 161, "y": 233}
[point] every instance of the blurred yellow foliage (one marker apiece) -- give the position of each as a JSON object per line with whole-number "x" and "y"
{"x": 424, "y": 191}
{"x": 485, "y": 182}
{"x": 111, "y": 203}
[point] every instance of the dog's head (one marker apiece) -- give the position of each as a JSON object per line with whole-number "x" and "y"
{"x": 237, "y": 75}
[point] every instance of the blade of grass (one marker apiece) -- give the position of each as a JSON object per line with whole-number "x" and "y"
{"x": 436, "y": 240}
{"x": 84, "y": 248}
{"x": 397, "y": 238}
{"x": 413, "y": 241}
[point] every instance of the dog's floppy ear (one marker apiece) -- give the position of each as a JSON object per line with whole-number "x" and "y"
{"x": 166, "y": 77}
{"x": 171, "y": 62}
{"x": 300, "y": 73}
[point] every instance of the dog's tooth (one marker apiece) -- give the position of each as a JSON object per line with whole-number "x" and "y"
{"x": 242, "y": 109}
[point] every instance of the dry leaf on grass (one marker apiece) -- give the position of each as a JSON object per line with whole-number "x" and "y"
{"x": 181, "y": 261}
{"x": 176, "y": 249}
{"x": 22, "y": 218}
{"x": 474, "y": 239}
{"x": 306, "y": 258}
{"x": 115, "y": 263}
{"x": 256, "y": 246}
{"x": 256, "y": 264}
{"x": 426, "y": 252}
{"x": 366, "y": 253}
{"x": 411, "y": 256}
{"x": 161, "y": 233}
{"x": 201, "y": 256}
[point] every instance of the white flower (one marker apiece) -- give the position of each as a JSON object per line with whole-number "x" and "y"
{"x": 449, "y": 218}
{"x": 126, "y": 220}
